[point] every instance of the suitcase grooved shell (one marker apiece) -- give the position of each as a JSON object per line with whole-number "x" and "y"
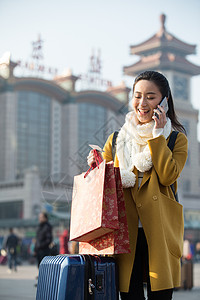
{"x": 64, "y": 277}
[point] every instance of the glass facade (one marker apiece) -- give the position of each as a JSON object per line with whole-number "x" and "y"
{"x": 33, "y": 132}
{"x": 11, "y": 210}
{"x": 91, "y": 122}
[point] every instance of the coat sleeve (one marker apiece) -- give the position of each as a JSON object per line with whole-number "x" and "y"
{"x": 168, "y": 165}
{"x": 107, "y": 154}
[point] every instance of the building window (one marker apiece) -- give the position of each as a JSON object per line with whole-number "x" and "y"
{"x": 187, "y": 186}
{"x": 186, "y": 125}
{"x": 188, "y": 159}
{"x": 92, "y": 120}
{"x": 11, "y": 210}
{"x": 181, "y": 87}
{"x": 34, "y": 131}
{"x": 199, "y": 154}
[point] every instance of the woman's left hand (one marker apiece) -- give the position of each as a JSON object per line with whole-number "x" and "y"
{"x": 160, "y": 117}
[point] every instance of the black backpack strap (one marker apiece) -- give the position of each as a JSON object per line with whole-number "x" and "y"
{"x": 171, "y": 144}
{"x": 172, "y": 140}
{"x": 114, "y": 144}
{"x": 175, "y": 194}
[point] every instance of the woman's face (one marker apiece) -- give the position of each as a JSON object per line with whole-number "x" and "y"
{"x": 146, "y": 97}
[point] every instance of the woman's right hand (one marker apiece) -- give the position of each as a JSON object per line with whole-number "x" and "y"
{"x": 91, "y": 157}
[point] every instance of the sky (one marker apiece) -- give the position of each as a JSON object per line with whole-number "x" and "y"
{"x": 72, "y": 30}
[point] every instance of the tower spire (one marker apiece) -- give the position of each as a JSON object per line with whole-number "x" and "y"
{"x": 162, "y": 30}
{"x": 162, "y": 20}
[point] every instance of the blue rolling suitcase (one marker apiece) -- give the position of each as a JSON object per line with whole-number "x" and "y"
{"x": 77, "y": 277}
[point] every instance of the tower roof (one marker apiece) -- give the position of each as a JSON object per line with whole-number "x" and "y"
{"x": 163, "y": 51}
{"x": 163, "y": 40}
{"x": 162, "y": 61}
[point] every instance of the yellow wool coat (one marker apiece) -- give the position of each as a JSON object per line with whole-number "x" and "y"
{"x": 161, "y": 216}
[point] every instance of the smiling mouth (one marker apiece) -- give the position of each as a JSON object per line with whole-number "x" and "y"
{"x": 143, "y": 112}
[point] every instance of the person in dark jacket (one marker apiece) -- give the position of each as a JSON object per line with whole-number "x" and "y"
{"x": 11, "y": 245}
{"x": 43, "y": 238}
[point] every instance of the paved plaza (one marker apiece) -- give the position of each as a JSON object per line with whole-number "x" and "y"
{"x": 20, "y": 285}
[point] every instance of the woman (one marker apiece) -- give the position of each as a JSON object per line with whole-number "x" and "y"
{"x": 148, "y": 168}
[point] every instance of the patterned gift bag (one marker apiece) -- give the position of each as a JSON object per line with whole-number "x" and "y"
{"x": 94, "y": 211}
{"x": 117, "y": 241}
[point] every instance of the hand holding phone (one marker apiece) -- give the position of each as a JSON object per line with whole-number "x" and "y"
{"x": 164, "y": 104}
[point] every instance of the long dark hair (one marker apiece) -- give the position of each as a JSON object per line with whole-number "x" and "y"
{"x": 163, "y": 85}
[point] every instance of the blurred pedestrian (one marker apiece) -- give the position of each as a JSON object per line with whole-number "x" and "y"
{"x": 187, "y": 253}
{"x": 32, "y": 251}
{"x": 43, "y": 238}
{"x": 11, "y": 246}
{"x": 64, "y": 239}
{"x": 198, "y": 251}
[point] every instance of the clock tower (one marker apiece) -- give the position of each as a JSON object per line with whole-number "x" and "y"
{"x": 166, "y": 53}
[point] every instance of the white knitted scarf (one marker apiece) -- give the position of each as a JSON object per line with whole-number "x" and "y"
{"x": 132, "y": 148}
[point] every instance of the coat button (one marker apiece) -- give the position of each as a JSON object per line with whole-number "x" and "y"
{"x": 139, "y": 204}
{"x": 155, "y": 198}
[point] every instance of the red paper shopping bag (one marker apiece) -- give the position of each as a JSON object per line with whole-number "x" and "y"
{"x": 94, "y": 204}
{"x": 117, "y": 241}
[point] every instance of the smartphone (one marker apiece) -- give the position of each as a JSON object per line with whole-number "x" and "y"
{"x": 164, "y": 104}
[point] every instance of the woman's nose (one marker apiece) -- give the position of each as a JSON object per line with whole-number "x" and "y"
{"x": 143, "y": 101}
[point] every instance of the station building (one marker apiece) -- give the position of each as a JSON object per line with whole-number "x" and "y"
{"x": 46, "y": 127}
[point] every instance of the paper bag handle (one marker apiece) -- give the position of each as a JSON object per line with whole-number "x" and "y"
{"x": 97, "y": 162}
